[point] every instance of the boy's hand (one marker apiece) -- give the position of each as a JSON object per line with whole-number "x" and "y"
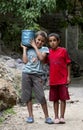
{"x": 24, "y": 47}
{"x": 68, "y": 80}
{"x": 33, "y": 44}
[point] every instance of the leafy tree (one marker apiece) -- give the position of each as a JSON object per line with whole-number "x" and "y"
{"x": 28, "y": 11}
{"x": 16, "y": 15}
{"x": 72, "y": 9}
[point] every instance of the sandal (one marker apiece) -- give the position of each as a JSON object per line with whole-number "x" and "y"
{"x": 56, "y": 121}
{"x": 30, "y": 120}
{"x": 49, "y": 121}
{"x": 62, "y": 121}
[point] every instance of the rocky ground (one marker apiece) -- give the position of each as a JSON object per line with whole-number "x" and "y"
{"x": 73, "y": 115}
{"x": 10, "y": 80}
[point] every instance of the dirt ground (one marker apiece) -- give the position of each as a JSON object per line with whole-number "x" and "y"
{"x": 73, "y": 115}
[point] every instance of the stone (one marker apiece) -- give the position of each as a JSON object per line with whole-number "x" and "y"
{"x": 8, "y": 96}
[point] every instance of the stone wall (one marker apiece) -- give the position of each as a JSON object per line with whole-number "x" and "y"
{"x": 72, "y": 38}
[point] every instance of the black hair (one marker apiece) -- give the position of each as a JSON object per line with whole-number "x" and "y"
{"x": 55, "y": 35}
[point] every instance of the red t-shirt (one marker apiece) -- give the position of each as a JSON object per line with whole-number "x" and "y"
{"x": 58, "y": 60}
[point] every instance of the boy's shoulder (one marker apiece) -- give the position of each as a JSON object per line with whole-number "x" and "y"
{"x": 63, "y": 48}
{"x": 59, "y": 48}
{"x": 44, "y": 49}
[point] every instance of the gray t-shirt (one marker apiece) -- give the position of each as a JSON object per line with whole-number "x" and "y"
{"x": 34, "y": 65}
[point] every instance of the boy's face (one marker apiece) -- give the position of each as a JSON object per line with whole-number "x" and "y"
{"x": 40, "y": 41}
{"x": 53, "y": 42}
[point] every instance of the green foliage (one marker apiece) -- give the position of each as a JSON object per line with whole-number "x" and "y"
{"x": 72, "y": 10}
{"x": 5, "y": 113}
{"x": 16, "y": 15}
{"x": 9, "y": 111}
{"x": 28, "y": 10}
{"x": 1, "y": 119}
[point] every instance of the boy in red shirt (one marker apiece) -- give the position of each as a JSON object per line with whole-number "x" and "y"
{"x": 59, "y": 76}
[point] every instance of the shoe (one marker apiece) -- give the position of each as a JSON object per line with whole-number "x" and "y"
{"x": 49, "y": 121}
{"x": 62, "y": 121}
{"x": 56, "y": 121}
{"x": 30, "y": 120}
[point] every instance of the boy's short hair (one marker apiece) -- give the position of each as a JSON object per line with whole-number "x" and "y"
{"x": 55, "y": 35}
{"x": 42, "y": 33}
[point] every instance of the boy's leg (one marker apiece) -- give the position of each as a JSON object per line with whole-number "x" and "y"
{"x": 30, "y": 119}
{"x": 56, "y": 112}
{"x": 64, "y": 95}
{"x": 30, "y": 109}
{"x": 45, "y": 110}
{"x": 39, "y": 93}
{"x": 62, "y": 108}
{"x": 48, "y": 120}
{"x": 62, "y": 111}
{"x": 54, "y": 96}
{"x": 56, "y": 109}
{"x": 27, "y": 95}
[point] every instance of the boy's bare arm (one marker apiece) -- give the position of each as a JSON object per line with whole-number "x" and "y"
{"x": 24, "y": 56}
{"x": 69, "y": 73}
{"x": 41, "y": 56}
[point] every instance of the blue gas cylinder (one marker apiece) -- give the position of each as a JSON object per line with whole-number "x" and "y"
{"x": 27, "y": 36}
